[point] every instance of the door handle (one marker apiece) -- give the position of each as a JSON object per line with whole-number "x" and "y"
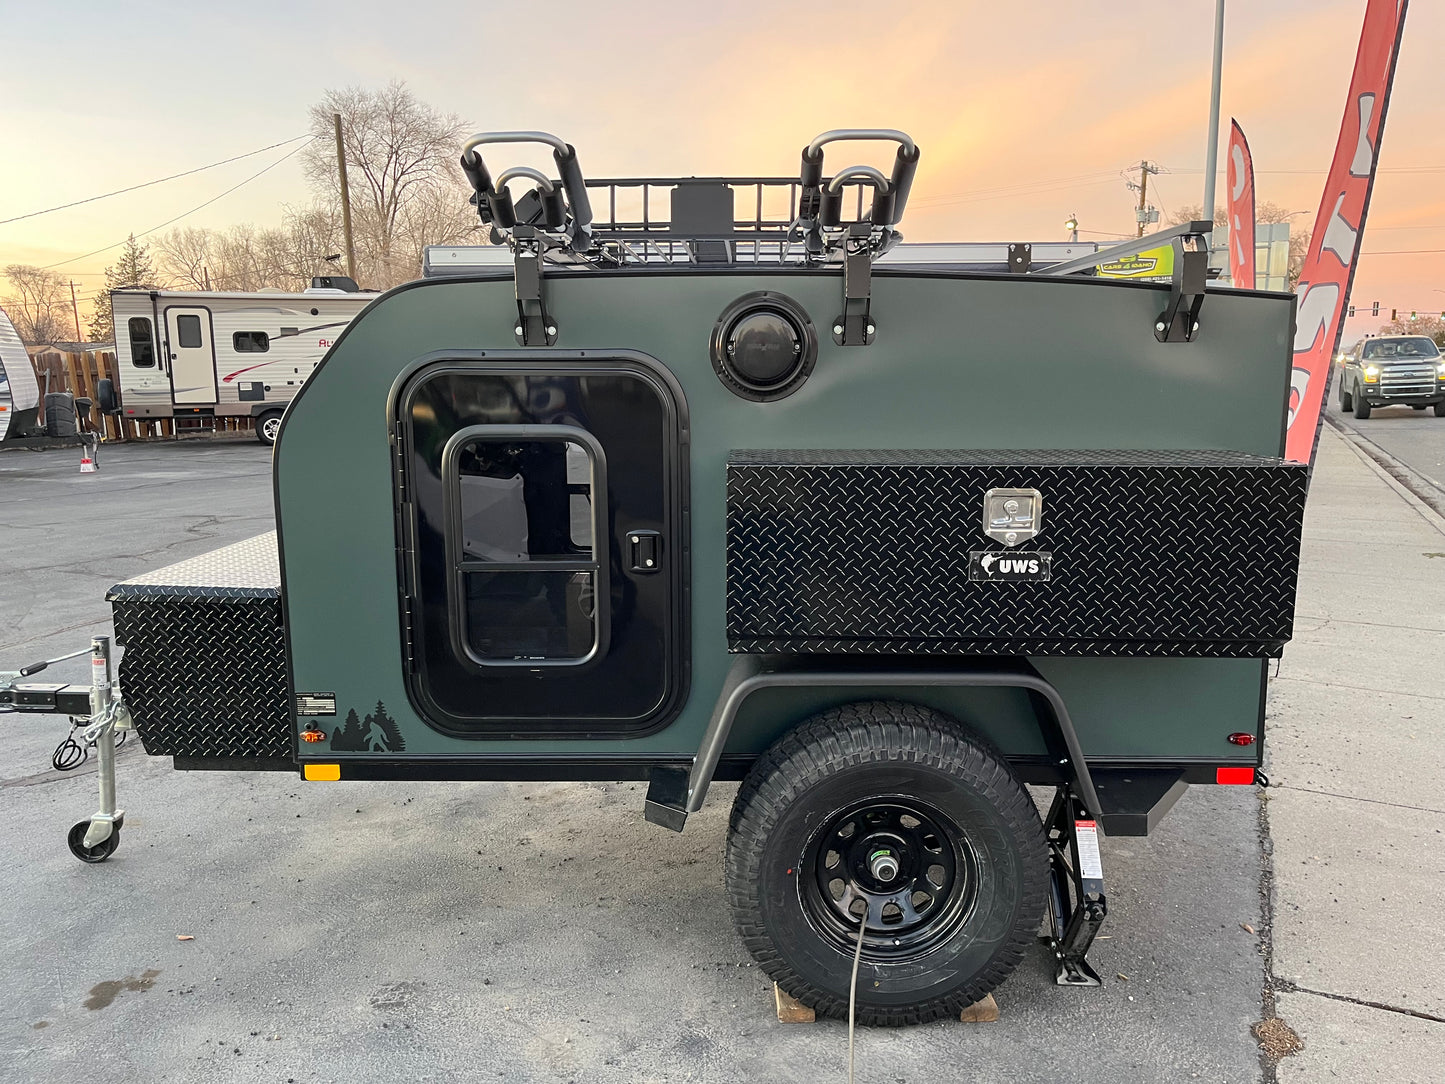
{"x": 644, "y": 550}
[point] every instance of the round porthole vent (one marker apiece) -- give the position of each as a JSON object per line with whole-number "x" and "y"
{"x": 763, "y": 346}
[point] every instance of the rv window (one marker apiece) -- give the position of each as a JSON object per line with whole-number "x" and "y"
{"x": 188, "y": 331}
{"x": 523, "y": 528}
{"x": 251, "y": 342}
{"x": 142, "y": 343}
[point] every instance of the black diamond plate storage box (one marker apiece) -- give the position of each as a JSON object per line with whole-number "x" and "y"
{"x": 204, "y": 669}
{"x": 1186, "y": 553}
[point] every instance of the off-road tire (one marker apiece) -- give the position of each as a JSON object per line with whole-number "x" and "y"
{"x": 844, "y": 757}
{"x": 1417, "y": 406}
{"x": 1362, "y": 407}
{"x": 1440, "y": 410}
{"x": 1347, "y": 402}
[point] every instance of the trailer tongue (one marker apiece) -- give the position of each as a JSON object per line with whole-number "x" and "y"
{"x": 712, "y": 478}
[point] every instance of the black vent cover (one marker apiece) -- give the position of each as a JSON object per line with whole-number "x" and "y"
{"x": 763, "y": 346}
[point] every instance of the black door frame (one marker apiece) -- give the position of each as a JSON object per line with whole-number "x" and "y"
{"x": 677, "y": 484}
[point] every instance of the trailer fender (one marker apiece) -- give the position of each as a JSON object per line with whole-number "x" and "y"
{"x": 747, "y": 676}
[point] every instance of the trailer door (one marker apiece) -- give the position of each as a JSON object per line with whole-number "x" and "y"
{"x": 542, "y": 505}
{"x": 193, "y": 356}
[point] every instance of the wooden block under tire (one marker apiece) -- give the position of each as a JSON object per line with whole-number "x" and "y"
{"x": 790, "y": 1009}
{"x": 981, "y": 1012}
{"x": 793, "y": 1011}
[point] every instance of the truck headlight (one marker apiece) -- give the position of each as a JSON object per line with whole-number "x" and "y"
{"x": 1440, "y": 370}
{"x": 1372, "y": 373}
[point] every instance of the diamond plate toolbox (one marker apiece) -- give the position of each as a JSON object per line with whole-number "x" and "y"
{"x": 204, "y": 669}
{"x": 1180, "y": 553}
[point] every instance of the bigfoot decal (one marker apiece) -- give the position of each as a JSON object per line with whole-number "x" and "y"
{"x": 377, "y": 733}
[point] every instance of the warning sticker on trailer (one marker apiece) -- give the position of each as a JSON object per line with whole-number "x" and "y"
{"x": 1090, "y": 866}
{"x": 315, "y": 703}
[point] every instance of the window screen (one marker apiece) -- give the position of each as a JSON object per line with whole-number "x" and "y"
{"x": 142, "y": 343}
{"x": 188, "y": 331}
{"x": 527, "y": 575}
{"x": 251, "y": 342}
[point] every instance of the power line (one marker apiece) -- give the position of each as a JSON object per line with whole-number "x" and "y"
{"x": 148, "y": 184}
{"x": 193, "y": 210}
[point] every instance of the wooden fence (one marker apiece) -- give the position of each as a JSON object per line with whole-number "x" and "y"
{"x": 79, "y": 372}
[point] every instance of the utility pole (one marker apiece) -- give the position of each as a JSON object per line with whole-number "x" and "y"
{"x": 1211, "y": 148}
{"x": 75, "y": 311}
{"x": 1143, "y": 214}
{"x": 345, "y": 197}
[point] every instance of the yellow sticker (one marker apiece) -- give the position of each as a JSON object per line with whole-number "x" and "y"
{"x": 322, "y": 773}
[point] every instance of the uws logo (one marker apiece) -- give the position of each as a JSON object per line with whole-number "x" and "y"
{"x": 1016, "y": 566}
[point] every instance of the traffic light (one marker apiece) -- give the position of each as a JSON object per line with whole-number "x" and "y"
{"x": 1394, "y": 315}
{"x": 1376, "y": 309}
{"x": 1352, "y": 311}
{"x": 1413, "y": 314}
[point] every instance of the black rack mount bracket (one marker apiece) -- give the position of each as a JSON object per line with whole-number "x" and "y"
{"x": 855, "y": 325}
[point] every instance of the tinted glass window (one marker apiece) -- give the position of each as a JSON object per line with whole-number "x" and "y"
{"x": 1420, "y": 347}
{"x": 251, "y": 342}
{"x": 188, "y": 331}
{"x": 523, "y": 549}
{"x": 142, "y": 343}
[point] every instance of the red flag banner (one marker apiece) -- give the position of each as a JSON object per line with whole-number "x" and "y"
{"x": 1241, "y": 209}
{"x": 1329, "y": 266}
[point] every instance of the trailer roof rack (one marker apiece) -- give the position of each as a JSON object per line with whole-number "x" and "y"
{"x": 722, "y": 222}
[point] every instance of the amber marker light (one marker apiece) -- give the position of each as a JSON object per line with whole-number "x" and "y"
{"x": 314, "y": 736}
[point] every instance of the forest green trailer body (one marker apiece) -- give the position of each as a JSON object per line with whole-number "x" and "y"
{"x": 887, "y": 538}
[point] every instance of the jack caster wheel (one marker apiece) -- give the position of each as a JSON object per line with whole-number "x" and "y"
{"x": 100, "y": 852}
{"x": 894, "y": 815}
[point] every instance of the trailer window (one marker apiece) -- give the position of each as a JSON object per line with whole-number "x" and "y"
{"x": 525, "y": 516}
{"x": 188, "y": 331}
{"x": 251, "y": 342}
{"x": 142, "y": 343}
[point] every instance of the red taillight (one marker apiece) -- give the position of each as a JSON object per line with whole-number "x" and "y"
{"x": 1234, "y": 776}
{"x": 1241, "y": 738}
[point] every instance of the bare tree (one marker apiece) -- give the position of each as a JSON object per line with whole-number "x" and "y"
{"x": 1264, "y": 214}
{"x": 299, "y": 250}
{"x": 1427, "y": 324}
{"x": 186, "y": 254}
{"x": 38, "y": 304}
{"x": 399, "y": 151}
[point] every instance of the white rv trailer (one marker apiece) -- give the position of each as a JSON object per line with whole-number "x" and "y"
{"x": 197, "y": 354}
{"x": 19, "y": 391}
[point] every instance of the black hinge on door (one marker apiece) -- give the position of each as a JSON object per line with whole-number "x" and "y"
{"x": 644, "y": 551}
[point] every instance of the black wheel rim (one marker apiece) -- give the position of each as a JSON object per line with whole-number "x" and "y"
{"x": 901, "y": 862}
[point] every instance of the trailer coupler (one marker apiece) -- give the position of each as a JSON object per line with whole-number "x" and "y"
{"x": 1077, "y": 905}
{"x": 95, "y": 838}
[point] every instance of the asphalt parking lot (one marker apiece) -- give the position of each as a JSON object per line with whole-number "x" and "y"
{"x": 522, "y": 932}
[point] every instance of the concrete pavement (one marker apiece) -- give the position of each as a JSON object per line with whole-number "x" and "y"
{"x": 1356, "y": 817}
{"x": 544, "y": 932}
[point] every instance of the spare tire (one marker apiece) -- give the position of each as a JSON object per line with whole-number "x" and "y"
{"x": 105, "y": 396}
{"x": 60, "y": 415}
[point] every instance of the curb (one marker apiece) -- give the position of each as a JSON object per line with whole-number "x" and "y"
{"x": 1404, "y": 483}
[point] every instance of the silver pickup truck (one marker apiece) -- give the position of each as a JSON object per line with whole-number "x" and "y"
{"x": 1387, "y": 369}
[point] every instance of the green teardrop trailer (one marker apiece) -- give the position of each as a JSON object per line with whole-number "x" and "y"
{"x": 731, "y": 486}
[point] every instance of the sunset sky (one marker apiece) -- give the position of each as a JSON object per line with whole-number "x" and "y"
{"x": 1025, "y": 112}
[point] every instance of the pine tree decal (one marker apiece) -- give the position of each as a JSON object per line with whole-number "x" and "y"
{"x": 352, "y": 737}
{"x": 388, "y": 733}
